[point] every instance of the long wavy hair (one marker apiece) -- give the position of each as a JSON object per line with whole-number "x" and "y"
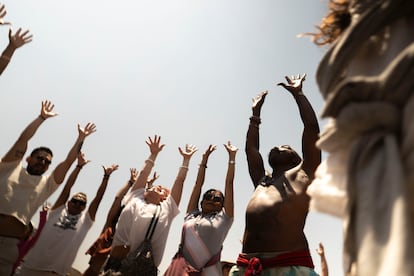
{"x": 333, "y": 24}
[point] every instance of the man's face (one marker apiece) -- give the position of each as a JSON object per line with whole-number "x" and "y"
{"x": 284, "y": 156}
{"x": 76, "y": 206}
{"x": 156, "y": 194}
{"x": 38, "y": 163}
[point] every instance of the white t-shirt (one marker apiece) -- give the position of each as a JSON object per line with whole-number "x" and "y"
{"x": 134, "y": 221}
{"x": 58, "y": 244}
{"x": 211, "y": 231}
{"x": 21, "y": 194}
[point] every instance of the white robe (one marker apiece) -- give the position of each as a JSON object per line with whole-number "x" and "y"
{"x": 367, "y": 79}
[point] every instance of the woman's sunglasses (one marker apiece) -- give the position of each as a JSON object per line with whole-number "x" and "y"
{"x": 213, "y": 197}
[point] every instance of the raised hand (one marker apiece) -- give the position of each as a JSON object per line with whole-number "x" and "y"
{"x": 133, "y": 175}
{"x": 231, "y": 149}
{"x": 47, "y": 110}
{"x": 258, "y": 102}
{"x": 188, "y": 152}
{"x": 3, "y": 13}
{"x": 19, "y": 39}
{"x": 110, "y": 169}
{"x": 154, "y": 144}
{"x": 320, "y": 250}
{"x": 150, "y": 181}
{"x": 82, "y": 161}
{"x": 294, "y": 84}
{"x": 209, "y": 150}
{"x": 87, "y": 130}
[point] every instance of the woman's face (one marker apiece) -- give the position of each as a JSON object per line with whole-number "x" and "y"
{"x": 212, "y": 202}
{"x": 156, "y": 194}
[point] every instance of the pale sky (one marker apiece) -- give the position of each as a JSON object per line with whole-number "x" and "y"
{"x": 185, "y": 70}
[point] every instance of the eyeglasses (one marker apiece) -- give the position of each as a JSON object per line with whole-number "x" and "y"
{"x": 43, "y": 159}
{"x": 212, "y": 197}
{"x": 78, "y": 202}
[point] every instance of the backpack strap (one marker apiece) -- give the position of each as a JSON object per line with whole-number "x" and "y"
{"x": 153, "y": 223}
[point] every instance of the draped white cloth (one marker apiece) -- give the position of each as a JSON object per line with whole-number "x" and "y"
{"x": 367, "y": 80}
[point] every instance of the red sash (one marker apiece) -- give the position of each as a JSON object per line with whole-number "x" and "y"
{"x": 256, "y": 265}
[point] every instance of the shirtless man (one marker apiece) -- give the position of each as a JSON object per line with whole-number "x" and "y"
{"x": 274, "y": 241}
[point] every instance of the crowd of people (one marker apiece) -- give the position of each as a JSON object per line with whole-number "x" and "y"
{"x": 274, "y": 242}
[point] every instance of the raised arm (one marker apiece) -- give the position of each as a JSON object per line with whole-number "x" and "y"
{"x": 324, "y": 263}
{"x": 64, "y": 195}
{"x": 195, "y": 195}
{"x": 177, "y": 188}
{"x": 311, "y": 154}
{"x": 61, "y": 170}
{"x": 18, "y": 150}
{"x": 93, "y": 207}
{"x": 254, "y": 158}
{"x": 16, "y": 40}
{"x": 116, "y": 204}
{"x": 155, "y": 147}
{"x": 228, "y": 190}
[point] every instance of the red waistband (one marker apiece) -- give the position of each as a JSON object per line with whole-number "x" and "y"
{"x": 256, "y": 265}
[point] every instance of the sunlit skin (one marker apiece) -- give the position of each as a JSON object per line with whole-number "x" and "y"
{"x": 38, "y": 163}
{"x": 75, "y": 208}
{"x": 156, "y": 194}
{"x": 209, "y": 205}
{"x": 277, "y": 210}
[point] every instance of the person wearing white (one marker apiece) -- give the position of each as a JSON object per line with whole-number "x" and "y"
{"x": 23, "y": 190}
{"x": 141, "y": 204}
{"x": 66, "y": 228}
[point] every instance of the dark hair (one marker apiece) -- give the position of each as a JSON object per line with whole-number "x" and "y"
{"x": 209, "y": 191}
{"x": 334, "y": 23}
{"x": 36, "y": 150}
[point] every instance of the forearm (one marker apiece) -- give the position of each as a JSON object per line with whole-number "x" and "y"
{"x": 63, "y": 167}
{"x": 99, "y": 195}
{"x": 64, "y": 195}
{"x": 195, "y": 194}
{"x": 252, "y": 139}
{"x": 228, "y": 190}
{"x": 102, "y": 188}
{"x": 177, "y": 189}
{"x": 4, "y": 61}
{"x": 324, "y": 267}
{"x": 31, "y": 129}
{"x": 144, "y": 172}
{"x": 306, "y": 111}
{"x": 124, "y": 189}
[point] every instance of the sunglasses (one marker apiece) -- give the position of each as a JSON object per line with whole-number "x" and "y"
{"x": 213, "y": 197}
{"x": 43, "y": 159}
{"x": 78, "y": 202}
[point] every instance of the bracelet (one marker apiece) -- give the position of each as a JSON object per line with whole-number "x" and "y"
{"x": 5, "y": 57}
{"x": 300, "y": 93}
{"x": 203, "y": 165}
{"x": 150, "y": 161}
{"x": 130, "y": 182}
{"x": 41, "y": 117}
{"x": 232, "y": 162}
{"x": 79, "y": 166}
{"x": 255, "y": 119}
{"x": 106, "y": 176}
{"x": 184, "y": 167}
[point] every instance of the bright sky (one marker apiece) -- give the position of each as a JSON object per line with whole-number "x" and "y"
{"x": 185, "y": 70}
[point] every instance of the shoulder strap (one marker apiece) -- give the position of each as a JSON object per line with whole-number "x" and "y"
{"x": 153, "y": 223}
